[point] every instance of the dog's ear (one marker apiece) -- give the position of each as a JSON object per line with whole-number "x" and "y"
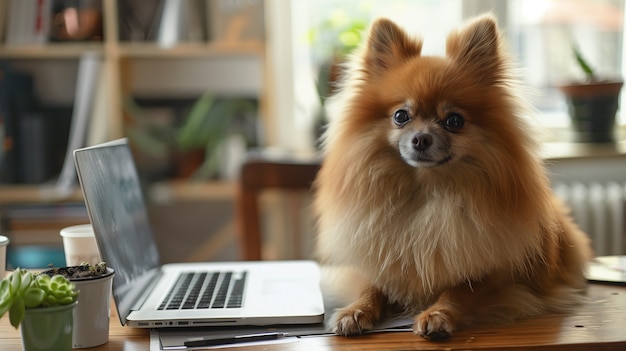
{"x": 478, "y": 45}
{"x": 387, "y": 46}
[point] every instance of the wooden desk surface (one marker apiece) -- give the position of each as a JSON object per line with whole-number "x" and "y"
{"x": 600, "y": 324}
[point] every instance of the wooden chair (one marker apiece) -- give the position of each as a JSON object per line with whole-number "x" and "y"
{"x": 263, "y": 171}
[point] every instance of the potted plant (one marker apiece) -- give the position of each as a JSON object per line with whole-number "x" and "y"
{"x": 91, "y": 316}
{"x": 211, "y": 124}
{"x": 592, "y": 104}
{"x": 206, "y": 130}
{"x": 42, "y": 307}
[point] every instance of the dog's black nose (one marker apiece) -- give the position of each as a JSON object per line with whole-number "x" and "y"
{"x": 422, "y": 141}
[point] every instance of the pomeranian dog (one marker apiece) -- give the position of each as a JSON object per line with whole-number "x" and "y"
{"x": 432, "y": 187}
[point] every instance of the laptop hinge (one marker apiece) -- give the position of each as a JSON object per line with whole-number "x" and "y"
{"x": 134, "y": 294}
{"x": 153, "y": 278}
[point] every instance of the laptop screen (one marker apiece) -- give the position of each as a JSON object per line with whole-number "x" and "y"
{"x": 117, "y": 211}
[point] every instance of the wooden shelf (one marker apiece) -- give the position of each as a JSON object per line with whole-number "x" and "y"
{"x": 49, "y": 50}
{"x": 153, "y": 50}
{"x": 132, "y": 50}
{"x": 10, "y": 194}
{"x": 176, "y": 190}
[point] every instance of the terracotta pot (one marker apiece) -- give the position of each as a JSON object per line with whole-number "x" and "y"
{"x": 592, "y": 108}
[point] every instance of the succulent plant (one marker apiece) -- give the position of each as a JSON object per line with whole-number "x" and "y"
{"x": 24, "y": 289}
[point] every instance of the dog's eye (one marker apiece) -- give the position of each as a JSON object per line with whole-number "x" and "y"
{"x": 401, "y": 117}
{"x": 454, "y": 122}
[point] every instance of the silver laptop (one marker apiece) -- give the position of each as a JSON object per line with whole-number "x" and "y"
{"x": 150, "y": 295}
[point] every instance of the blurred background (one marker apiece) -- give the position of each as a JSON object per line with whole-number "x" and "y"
{"x": 196, "y": 85}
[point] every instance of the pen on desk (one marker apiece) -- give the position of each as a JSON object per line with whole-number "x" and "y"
{"x": 214, "y": 341}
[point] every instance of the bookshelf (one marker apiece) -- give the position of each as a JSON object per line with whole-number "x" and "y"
{"x": 179, "y": 70}
{"x": 131, "y": 68}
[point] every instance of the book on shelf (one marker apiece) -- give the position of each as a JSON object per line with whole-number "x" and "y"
{"x": 177, "y": 22}
{"x": 89, "y": 70}
{"x": 34, "y": 135}
{"x": 3, "y": 19}
{"x": 98, "y": 130}
{"x": 16, "y": 99}
{"x": 28, "y": 21}
{"x": 165, "y": 22}
{"x": 34, "y": 141}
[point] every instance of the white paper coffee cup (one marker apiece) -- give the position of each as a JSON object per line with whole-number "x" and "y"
{"x": 79, "y": 245}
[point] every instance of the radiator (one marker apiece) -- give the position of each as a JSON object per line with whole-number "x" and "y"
{"x": 599, "y": 210}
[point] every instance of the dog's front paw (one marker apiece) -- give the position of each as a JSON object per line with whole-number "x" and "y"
{"x": 351, "y": 321}
{"x": 433, "y": 325}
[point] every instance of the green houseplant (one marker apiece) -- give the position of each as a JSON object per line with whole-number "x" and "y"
{"x": 592, "y": 104}
{"x": 41, "y": 305}
{"x": 209, "y": 123}
{"x": 205, "y": 128}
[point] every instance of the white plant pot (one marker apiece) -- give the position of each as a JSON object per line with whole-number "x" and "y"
{"x": 92, "y": 314}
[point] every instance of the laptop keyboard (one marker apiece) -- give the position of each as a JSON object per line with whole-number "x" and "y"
{"x": 201, "y": 290}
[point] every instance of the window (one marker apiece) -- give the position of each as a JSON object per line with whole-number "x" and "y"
{"x": 540, "y": 34}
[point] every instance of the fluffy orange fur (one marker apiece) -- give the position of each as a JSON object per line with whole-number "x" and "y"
{"x": 431, "y": 185}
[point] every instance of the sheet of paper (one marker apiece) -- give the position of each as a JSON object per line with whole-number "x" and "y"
{"x": 156, "y": 343}
{"x": 607, "y": 269}
{"x": 174, "y": 339}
